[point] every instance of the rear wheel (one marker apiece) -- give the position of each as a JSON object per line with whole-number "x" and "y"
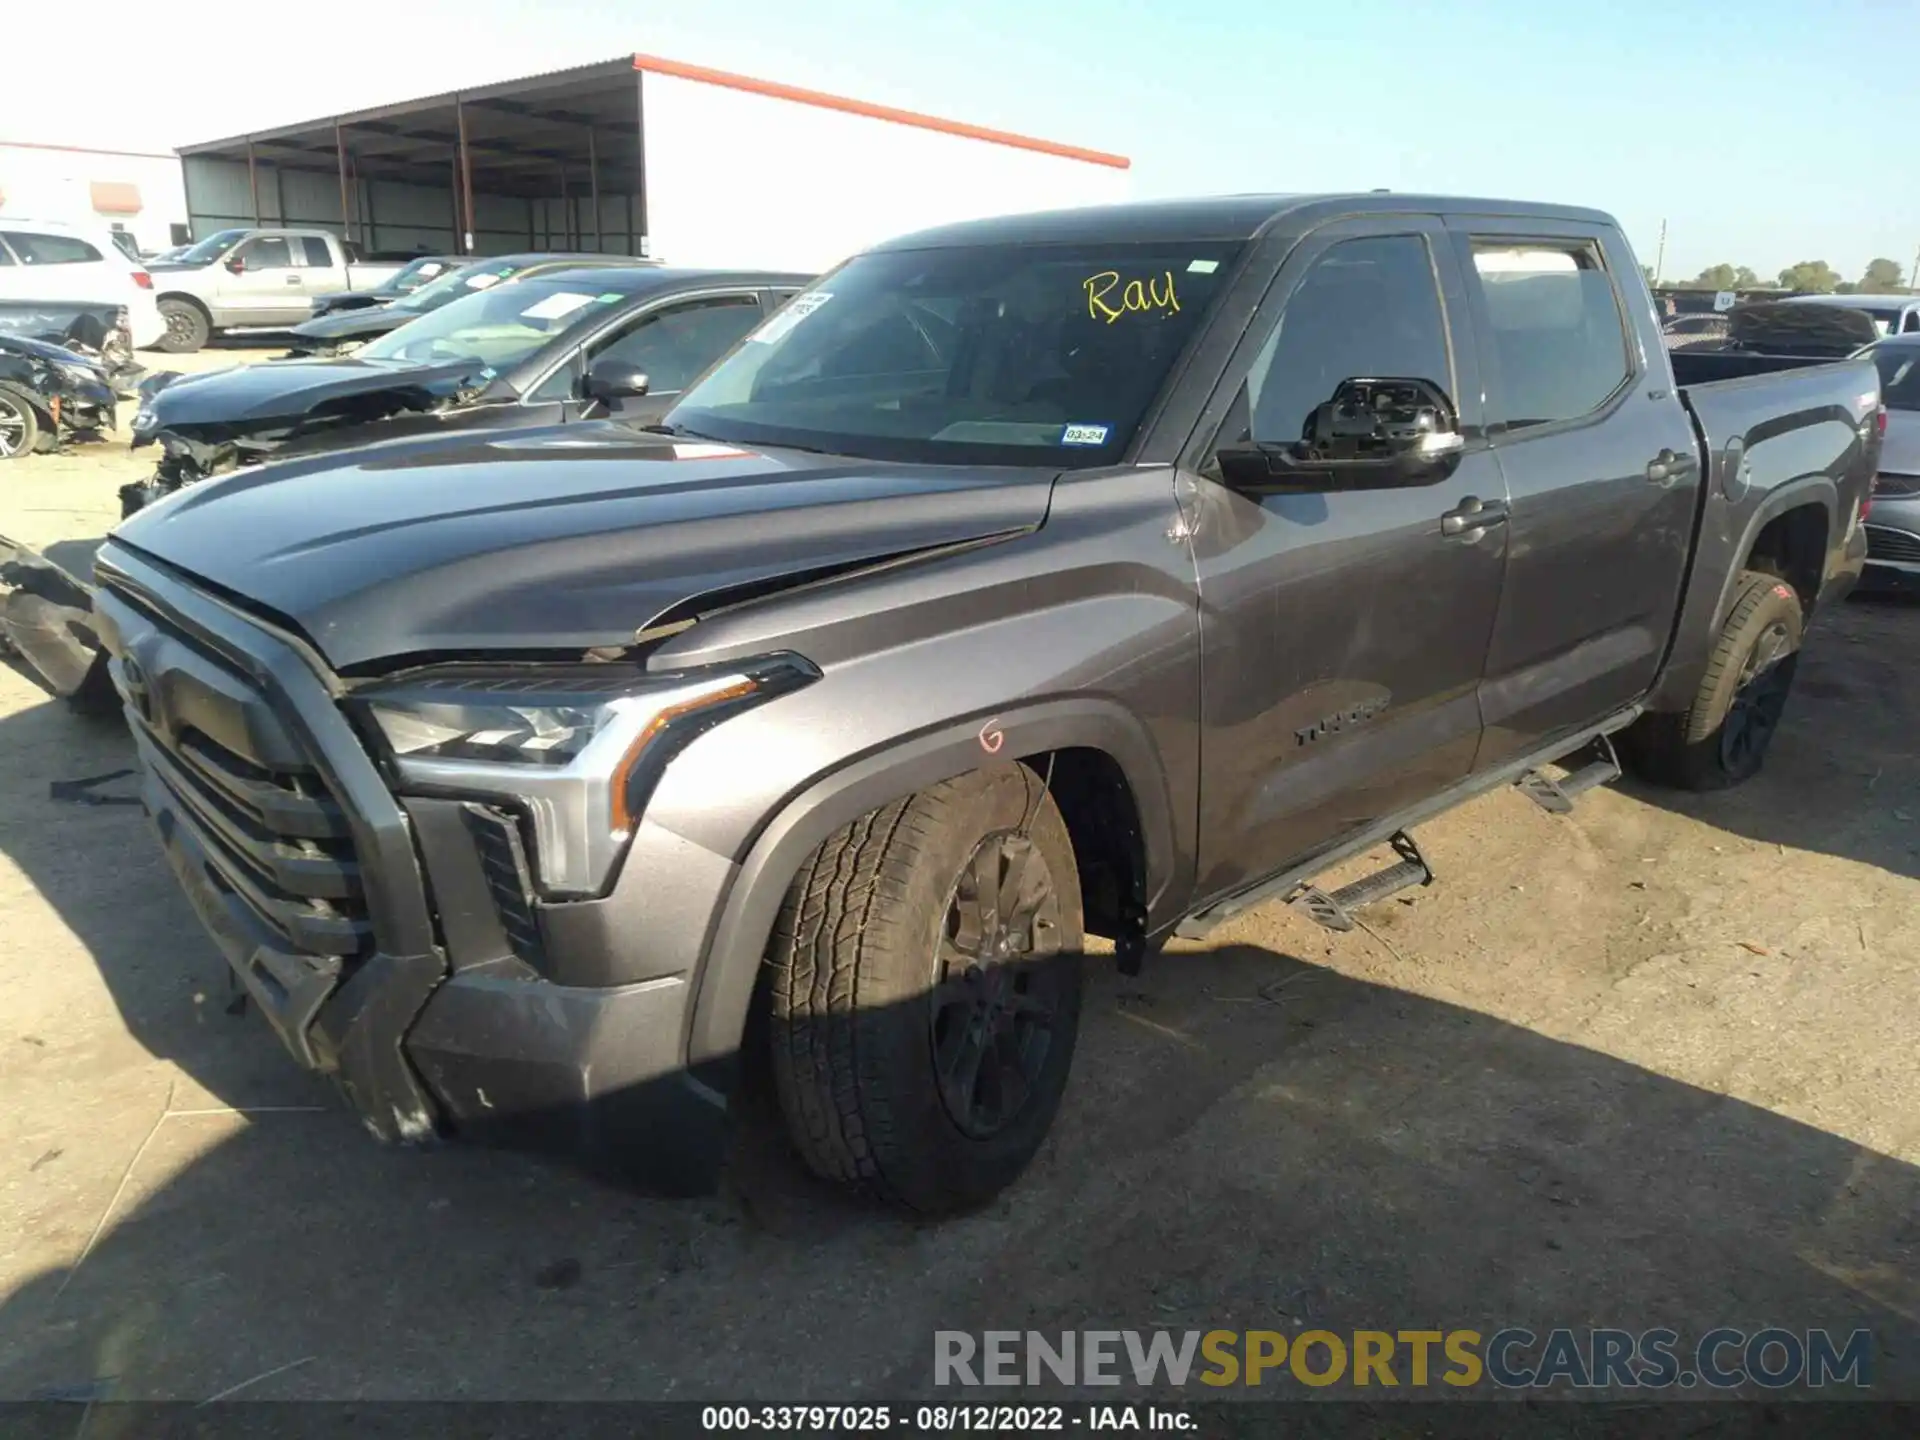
{"x": 188, "y": 328}
{"x": 19, "y": 423}
{"x": 1723, "y": 737}
{"x": 926, "y": 992}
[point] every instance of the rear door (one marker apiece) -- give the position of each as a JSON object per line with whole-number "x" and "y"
{"x": 269, "y": 290}
{"x": 1601, "y": 473}
{"x": 1344, "y": 633}
{"x": 320, "y": 266}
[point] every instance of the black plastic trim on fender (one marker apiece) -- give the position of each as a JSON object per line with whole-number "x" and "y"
{"x": 723, "y": 986}
{"x": 1697, "y": 628}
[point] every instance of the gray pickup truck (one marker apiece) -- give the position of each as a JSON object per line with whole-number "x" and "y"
{"x": 239, "y": 279}
{"x": 1106, "y": 571}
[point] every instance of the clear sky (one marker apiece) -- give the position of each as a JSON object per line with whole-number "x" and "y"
{"x": 1764, "y": 133}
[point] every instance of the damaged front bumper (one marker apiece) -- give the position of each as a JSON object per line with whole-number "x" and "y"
{"x": 313, "y": 879}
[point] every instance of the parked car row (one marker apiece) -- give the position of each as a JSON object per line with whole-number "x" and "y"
{"x": 621, "y": 682}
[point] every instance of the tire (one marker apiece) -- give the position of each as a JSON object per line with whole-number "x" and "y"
{"x": 1722, "y": 738}
{"x": 19, "y": 423}
{"x": 890, "y": 985}
{"x": 188, "y": 328}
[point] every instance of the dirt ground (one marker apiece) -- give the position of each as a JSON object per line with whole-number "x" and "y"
{"x": 1649, "y": 1064}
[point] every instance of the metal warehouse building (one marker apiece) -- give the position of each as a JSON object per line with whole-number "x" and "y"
{"x": 636, "y": 156}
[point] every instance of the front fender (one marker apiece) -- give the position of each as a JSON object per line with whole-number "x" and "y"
{"x": 723, "y": 984}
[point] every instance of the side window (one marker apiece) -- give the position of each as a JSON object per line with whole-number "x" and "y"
{"x": 36, "y": 249}
{"x": 1556, "y": 329}
{"x": 1368, "y": 307}
{"x": 269, "y": 252}
{"x": 674, "y": 345}
{"x": 317, "y": 255}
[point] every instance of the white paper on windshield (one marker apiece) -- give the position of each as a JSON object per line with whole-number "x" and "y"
{"x": 555, "y": 306}
{"x": 796, "y": 310}
{"x": 482, "y": 282}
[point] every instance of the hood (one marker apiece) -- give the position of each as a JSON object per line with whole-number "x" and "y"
{"x": 363, "y": 324}
{"x": 280, "y": 390}
{"x": 167, "y": 267}
{"x": 1900, "y": 447}
{"x": 41, "y": 350}
{"x": 558, "y": 539}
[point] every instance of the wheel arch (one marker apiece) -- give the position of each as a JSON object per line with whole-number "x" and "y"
{"x": 1095, "y": 749}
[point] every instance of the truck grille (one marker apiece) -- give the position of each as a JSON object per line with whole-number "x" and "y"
{"x": 273, "y": 840}
{"x": 1895, "y": 546}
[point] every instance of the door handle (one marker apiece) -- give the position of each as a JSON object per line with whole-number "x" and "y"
{"x": 1670, "y": 465}
{"x": 293, "y": 279}
{"x": 1473, "y": 515}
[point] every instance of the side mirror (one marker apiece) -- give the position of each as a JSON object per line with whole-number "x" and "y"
{"x": 611, "y": 380}
{"x": 236, "y": 264}
{"x": 1373, "y": 434}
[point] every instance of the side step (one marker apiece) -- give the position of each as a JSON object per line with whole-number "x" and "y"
{"x": 1334, "y": 909}
{"x": 1593, "y": 764}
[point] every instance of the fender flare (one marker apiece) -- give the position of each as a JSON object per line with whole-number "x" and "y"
{"x": 724, "y": 984}
{"x": 1816, "y": 489}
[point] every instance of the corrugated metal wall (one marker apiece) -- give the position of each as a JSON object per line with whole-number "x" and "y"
{"x": 388, "y": 215}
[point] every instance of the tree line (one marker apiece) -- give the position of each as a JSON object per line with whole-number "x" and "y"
{"x": 1882, "y": 277}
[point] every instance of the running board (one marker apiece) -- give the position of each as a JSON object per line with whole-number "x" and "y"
{"x": 1556, "y": 797}
{"x": 1334, "y": 909}
{"x": 1198, "y": 924}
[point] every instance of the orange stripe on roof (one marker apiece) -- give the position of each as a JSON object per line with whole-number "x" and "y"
{"x": 654, "y": 64}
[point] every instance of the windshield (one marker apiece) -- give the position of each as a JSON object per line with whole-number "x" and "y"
{"x": 1899, "y": 375}
{"x": 458, "y": 284}
{"x": 213, "y": 247}
{"x": 994, "y": 355}
{"x": 498, "y": 328}
{"x": 415, "y": 274}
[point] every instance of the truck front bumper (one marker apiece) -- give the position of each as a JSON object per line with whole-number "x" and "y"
{"x": 305, "y": 871}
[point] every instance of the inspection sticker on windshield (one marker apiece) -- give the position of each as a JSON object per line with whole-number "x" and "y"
{"x": 1084, "y": 435}
{"x": 610, "y": 297}
{"x": 796, "y": 310}
{"x": 555, "y": 306}
{"x": 1202, "y": 267}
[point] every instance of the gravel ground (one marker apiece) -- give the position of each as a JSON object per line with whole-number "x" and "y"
{"x": 1649, "y": 1064}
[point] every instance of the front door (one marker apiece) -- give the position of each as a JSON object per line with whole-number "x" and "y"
{"x": 269, "y": 290}
{"x": 1600, "y": 466}
{"x": 1344, "y": 633}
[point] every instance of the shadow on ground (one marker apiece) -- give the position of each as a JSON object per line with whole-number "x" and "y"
{"x": 1843, "y": 776}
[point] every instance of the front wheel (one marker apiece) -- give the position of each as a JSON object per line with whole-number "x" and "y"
{"x": 925, "y": 992}
{"x": 1723, "y": 737}
{"x": 19, "y": 423}
{"x": 188, "y": 328}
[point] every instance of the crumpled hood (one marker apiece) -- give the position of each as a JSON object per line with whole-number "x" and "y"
{"x": 288, "y": 389}
{"x": 560, "y": 538}
{"x": 363, "y": 324}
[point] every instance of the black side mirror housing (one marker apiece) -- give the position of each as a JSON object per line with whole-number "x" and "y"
{"x": 610, "y": 380}
{"x": 1372, "y": 434}
{"x": 236, "y": 264}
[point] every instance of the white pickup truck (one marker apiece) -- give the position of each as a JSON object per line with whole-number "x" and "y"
{"x": 237, "y": 279}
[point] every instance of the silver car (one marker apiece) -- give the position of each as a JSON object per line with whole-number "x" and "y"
{"x": 1893, "y": 528}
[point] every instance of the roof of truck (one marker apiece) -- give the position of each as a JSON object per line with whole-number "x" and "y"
{"x": 1219, "y": 217}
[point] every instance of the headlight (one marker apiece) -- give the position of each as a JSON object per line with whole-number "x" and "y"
{"x": 85, "y": 371}
{"x": 578, "y": 750}
{"x": 143, "y": 419}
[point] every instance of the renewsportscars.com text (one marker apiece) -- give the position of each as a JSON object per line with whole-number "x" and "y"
{"x": 1513, "y": 1358}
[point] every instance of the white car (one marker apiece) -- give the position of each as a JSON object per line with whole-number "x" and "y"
{"x": 51, "y": 260}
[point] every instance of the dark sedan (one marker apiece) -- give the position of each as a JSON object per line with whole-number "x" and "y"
{"x": 341, "y": 334}
{"x": 576, "y": 344}
{"x": 416, "y": 275}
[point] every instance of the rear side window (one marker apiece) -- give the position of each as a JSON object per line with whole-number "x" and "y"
{"x": 318, "y": 255}
{"x": 1557, "y": 332}
{"x": 35, "y": 249}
